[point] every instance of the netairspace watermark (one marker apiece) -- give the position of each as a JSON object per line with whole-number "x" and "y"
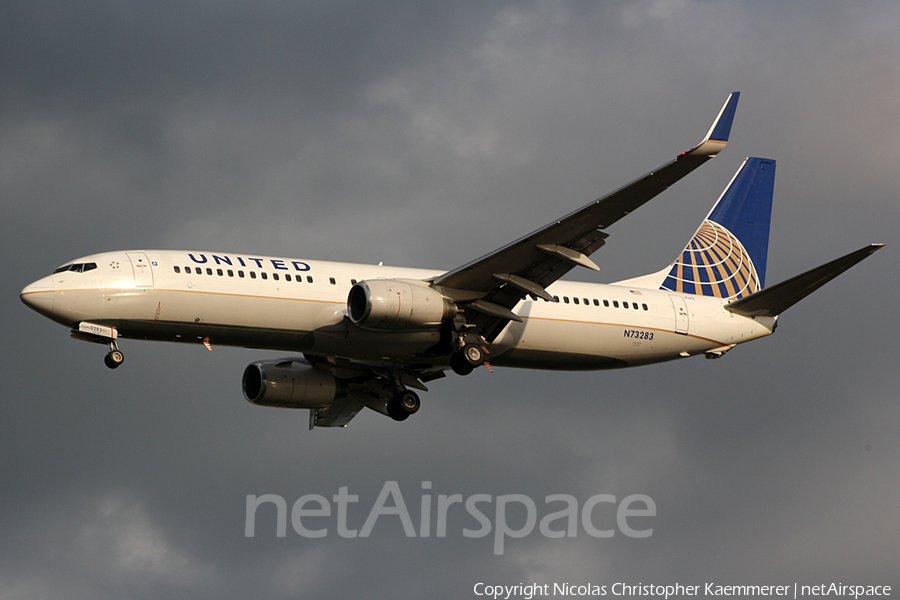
{"x": 678, "y": 590}
{"x": 314, "y": 515}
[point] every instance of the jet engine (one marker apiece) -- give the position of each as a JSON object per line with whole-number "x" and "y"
{"x": 397, "y": 304}
{"x": 290, "y": 383}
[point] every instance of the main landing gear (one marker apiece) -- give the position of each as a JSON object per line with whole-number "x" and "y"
{"x": 403, "y": 404}
{"x": 406, "y": 402}
{"x": 465, "y": 360}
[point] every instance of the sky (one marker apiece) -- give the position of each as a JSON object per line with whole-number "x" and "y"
{"x": 428, "y": 134}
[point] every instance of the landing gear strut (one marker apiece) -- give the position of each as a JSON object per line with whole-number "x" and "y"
{"x": 403, "y": 404}
{"x": 101, "y": 334}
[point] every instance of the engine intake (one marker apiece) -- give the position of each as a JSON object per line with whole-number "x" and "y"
{"x": 397, "y": 304}
{"x": 290, "y": 383}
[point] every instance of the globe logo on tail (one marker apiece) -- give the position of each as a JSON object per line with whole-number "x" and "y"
{"x": 715, "y": 263}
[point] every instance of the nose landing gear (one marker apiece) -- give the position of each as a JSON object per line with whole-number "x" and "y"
{"x": 101, "y": 334}
{"x": 115, "y": 357}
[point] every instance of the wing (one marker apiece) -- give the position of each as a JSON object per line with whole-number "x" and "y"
{"x": 491, "y": 286}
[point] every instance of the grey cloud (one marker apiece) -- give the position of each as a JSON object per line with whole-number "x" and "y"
{"x": 428, "y": 134}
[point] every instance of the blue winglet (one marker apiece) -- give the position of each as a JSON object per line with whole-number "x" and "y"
{"x": 722, "y": 127}
{"x": 718, "y": 134}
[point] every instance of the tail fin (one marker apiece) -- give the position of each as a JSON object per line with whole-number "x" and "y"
{"x": 726, "y": 258}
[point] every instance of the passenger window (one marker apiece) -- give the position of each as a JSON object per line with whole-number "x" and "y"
{"x": 586, "y": 302}
{"x": 264, "y": 275}
{"x": 219, "y": 272}
{"x": 230, "y": 273}
{"x": 556, "y": 298}
{"x": 596, "y": 302}
{"x": 606, "y": 303}
{"x": 241, "y": 274}
{"x": 566, "y": 299}
{"x": 645, "y": 307}
{"x": 275, "y": 276}
{"x": 208, "y": 271}
{"x": 616, "y": 303}
{"x": 198, "y": 270}
{"x": 331, "y": 279}
{"x": 634, "y": 305}
{"x": 352, "y": 282}
{"x": 288, "y": 277}
{"x": 309, "y": 278}
{"x": 624, "y": 305}
{"x": 252, "y": 274}
{"x": 575, "y": 300}
{"x": 177, "y": 269}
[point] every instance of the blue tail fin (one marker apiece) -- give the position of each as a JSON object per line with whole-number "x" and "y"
{"x": 727, "y": 256}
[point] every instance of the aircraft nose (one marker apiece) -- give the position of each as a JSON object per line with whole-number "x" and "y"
{"x": 39, "y": 296}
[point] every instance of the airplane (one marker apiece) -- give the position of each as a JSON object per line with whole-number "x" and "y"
{"x": 367, "y": 336}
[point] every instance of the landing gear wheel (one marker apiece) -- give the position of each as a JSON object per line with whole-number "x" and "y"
{"x": 409, "y": 402}
{"x": 473, "y": 354}
{"x": 460, "y": 365}
{"x": 114, "y": 359}
{"x": 402, "y": 405}
{"x": 397, "y": 414}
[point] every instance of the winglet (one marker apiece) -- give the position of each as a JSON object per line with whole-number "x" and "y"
{"x": 718, "y": 134}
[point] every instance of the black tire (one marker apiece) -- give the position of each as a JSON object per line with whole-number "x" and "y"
{"x": 395, "y": 412}
{"x": 473, "y": 354}
{"x": 409, "y": 402}
{"x": 460, "y": 366}
{"x": 114, "y": 359}
{"x": 402, "y": 405}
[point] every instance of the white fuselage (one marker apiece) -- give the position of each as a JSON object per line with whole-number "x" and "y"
{"x": 301, "y": 306}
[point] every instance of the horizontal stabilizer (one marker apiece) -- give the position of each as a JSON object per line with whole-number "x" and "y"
{"x": 774, "y": 300}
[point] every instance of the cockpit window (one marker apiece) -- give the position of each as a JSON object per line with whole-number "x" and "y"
{"x": 77, "y": 267}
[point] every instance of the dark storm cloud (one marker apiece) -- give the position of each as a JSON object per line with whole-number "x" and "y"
{"x": 428, "y": 134}
{"x": 167, "y": 105}
{"x": 59, "y": 54}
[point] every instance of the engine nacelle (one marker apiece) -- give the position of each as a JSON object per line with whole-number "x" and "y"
{"x": 290, "y": 383}
{"x": 397, "y": 304}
